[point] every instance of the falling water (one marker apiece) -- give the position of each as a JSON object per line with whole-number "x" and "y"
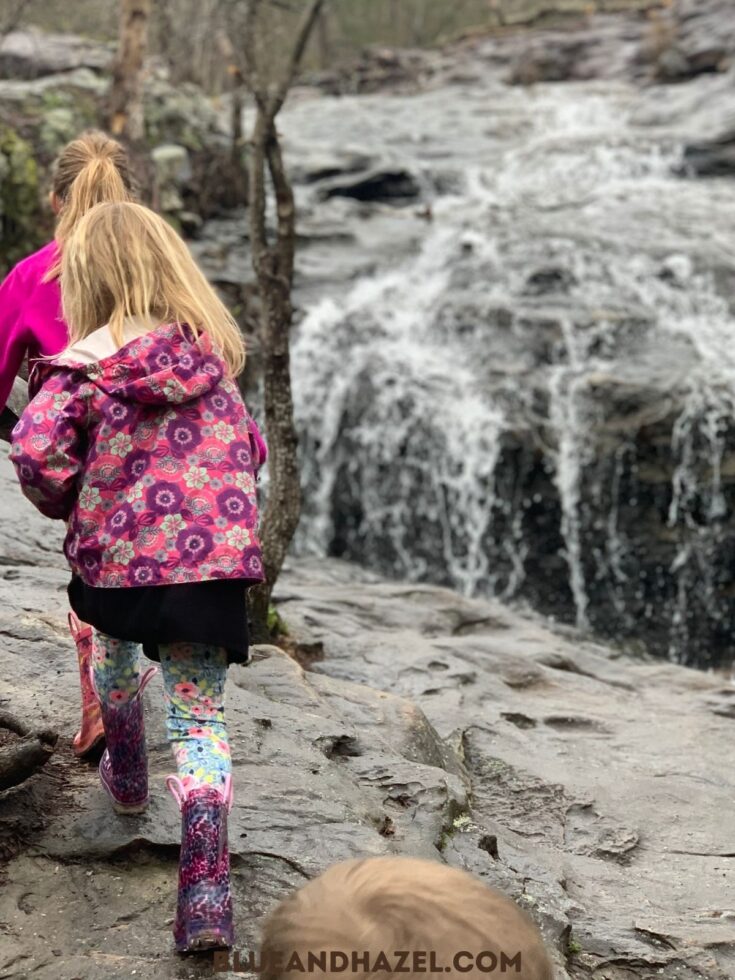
{"x": 565, "y": 384}
{"x": 428, "y": 423}
{"x": 548, "y": 375}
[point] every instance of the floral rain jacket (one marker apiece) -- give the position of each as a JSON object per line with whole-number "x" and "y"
{"x": 151, "y": 457}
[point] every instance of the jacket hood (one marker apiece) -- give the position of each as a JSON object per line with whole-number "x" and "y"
{"x": 168, "y": 365}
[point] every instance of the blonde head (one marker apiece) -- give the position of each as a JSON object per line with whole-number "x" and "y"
{"x": 123, "y": 261}
{"x": 388, "y": 904}
{"x": 91, "y": 169}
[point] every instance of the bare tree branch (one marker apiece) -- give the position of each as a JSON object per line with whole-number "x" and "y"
{"x": 256, "y": 85}
{"x": 285, "y": 209}
{"x": 297, "y": 52}
{"x": 258, "y": 240}
{"x": 13, "y": 18}
{"x": 274, "y": 268}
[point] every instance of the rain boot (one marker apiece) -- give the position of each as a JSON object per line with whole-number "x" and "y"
{"x": 91, "y": 732}
{"x": 124, "y": 765}
{"x": 204, "y": 908}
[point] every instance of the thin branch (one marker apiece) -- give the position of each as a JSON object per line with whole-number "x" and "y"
{"x": 258, "y": 241}
{"x": 297, "y": 52}
{"x": 13, "y": 19}
{"x": 285, "y": 209}
{"x": 259, "y": 90}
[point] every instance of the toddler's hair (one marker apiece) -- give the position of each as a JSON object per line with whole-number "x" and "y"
{"x": 391, "y": 904}
{"x": 122, "y": 261}
{"x": 91, "y": 169}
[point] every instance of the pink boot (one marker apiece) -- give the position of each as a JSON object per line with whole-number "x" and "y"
{"x": 91, "y": 733}
{"x": 204, "y": 908}
{"x": 124, "y": 765}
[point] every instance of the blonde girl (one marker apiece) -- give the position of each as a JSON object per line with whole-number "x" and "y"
{"x": 137, "y": 436}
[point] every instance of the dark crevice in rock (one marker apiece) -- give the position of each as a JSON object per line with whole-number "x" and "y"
{"x": 339, "y": 746}
{"x": 289, "y": 862}
{"x": 518, "y": 719}
{"x": 489, "y": 844}
{"x": 575, "y": 723}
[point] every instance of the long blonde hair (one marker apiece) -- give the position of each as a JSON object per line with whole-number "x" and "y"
{"x": 122, "y": 261}
{"x": 91, "y": 169}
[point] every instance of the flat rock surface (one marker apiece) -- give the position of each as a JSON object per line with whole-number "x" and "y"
{"x": 604, "y": 782}
{"x": 594, "y": 790}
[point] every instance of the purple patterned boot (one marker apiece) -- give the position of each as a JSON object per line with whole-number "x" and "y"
{"x": 204, "y": 909}
{"x": 124, "y": 765}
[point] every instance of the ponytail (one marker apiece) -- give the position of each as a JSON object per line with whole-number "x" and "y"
{"x": 99, "y": 182}
{"x": 92, "y": 169}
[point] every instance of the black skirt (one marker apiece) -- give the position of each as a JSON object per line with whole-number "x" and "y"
{"x": 213, "y": 612}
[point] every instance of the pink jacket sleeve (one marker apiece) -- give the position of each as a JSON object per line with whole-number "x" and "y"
{"x": 261, "y": 450}
{"x": 14, "y": 336}
{"x": 48, "y": 444}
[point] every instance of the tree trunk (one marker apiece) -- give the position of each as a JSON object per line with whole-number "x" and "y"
{"x": 273, "y": 266}
{"x": 126, "y": 95}
{"x": 12, "y": 15}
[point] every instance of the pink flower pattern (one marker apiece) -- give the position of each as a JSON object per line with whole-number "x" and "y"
{"x": 150, "y": 489}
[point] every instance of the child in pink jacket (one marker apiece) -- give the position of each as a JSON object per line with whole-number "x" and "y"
{"x": 91, "y": 169}
{"x": 138, "y": 438}
{"x": 31, "y": 325}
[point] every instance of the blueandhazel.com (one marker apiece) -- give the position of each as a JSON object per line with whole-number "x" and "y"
{"x": 355, "y": 961}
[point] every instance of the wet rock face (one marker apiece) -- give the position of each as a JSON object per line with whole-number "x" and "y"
{"x": 704, "y": 37}
{"x": 546, "y": 727}
{"x": 535, "y": 399}
{"x": 434, "y": 726}
{"x": 595, "y": 503}
{"x": 669, "y": 43}
{"x": 380, "y": 185}
{"x": 711, "y": 158}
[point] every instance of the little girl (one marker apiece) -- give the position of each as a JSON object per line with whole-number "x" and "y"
{"x": 91, "y": 169}
{"x": 138, "y": 438}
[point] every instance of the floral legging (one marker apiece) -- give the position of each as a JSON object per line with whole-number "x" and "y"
{"x": 194, "y": 690}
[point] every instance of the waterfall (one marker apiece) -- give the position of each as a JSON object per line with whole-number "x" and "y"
{"x": 565, "y": 385}
{"x": 535, "y": 399}
{"x": 425, "y": 433}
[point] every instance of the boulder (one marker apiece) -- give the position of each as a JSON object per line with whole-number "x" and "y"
{"x": 172, "y": 170}
{"x": 704, "y": 37}
{"x": 711, "y": 158}
{"x": 27, "y": 54}
{"x": 389, "y": 185}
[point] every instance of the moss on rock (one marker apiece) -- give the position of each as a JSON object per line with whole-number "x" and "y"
{"x": 24, "y": 226}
